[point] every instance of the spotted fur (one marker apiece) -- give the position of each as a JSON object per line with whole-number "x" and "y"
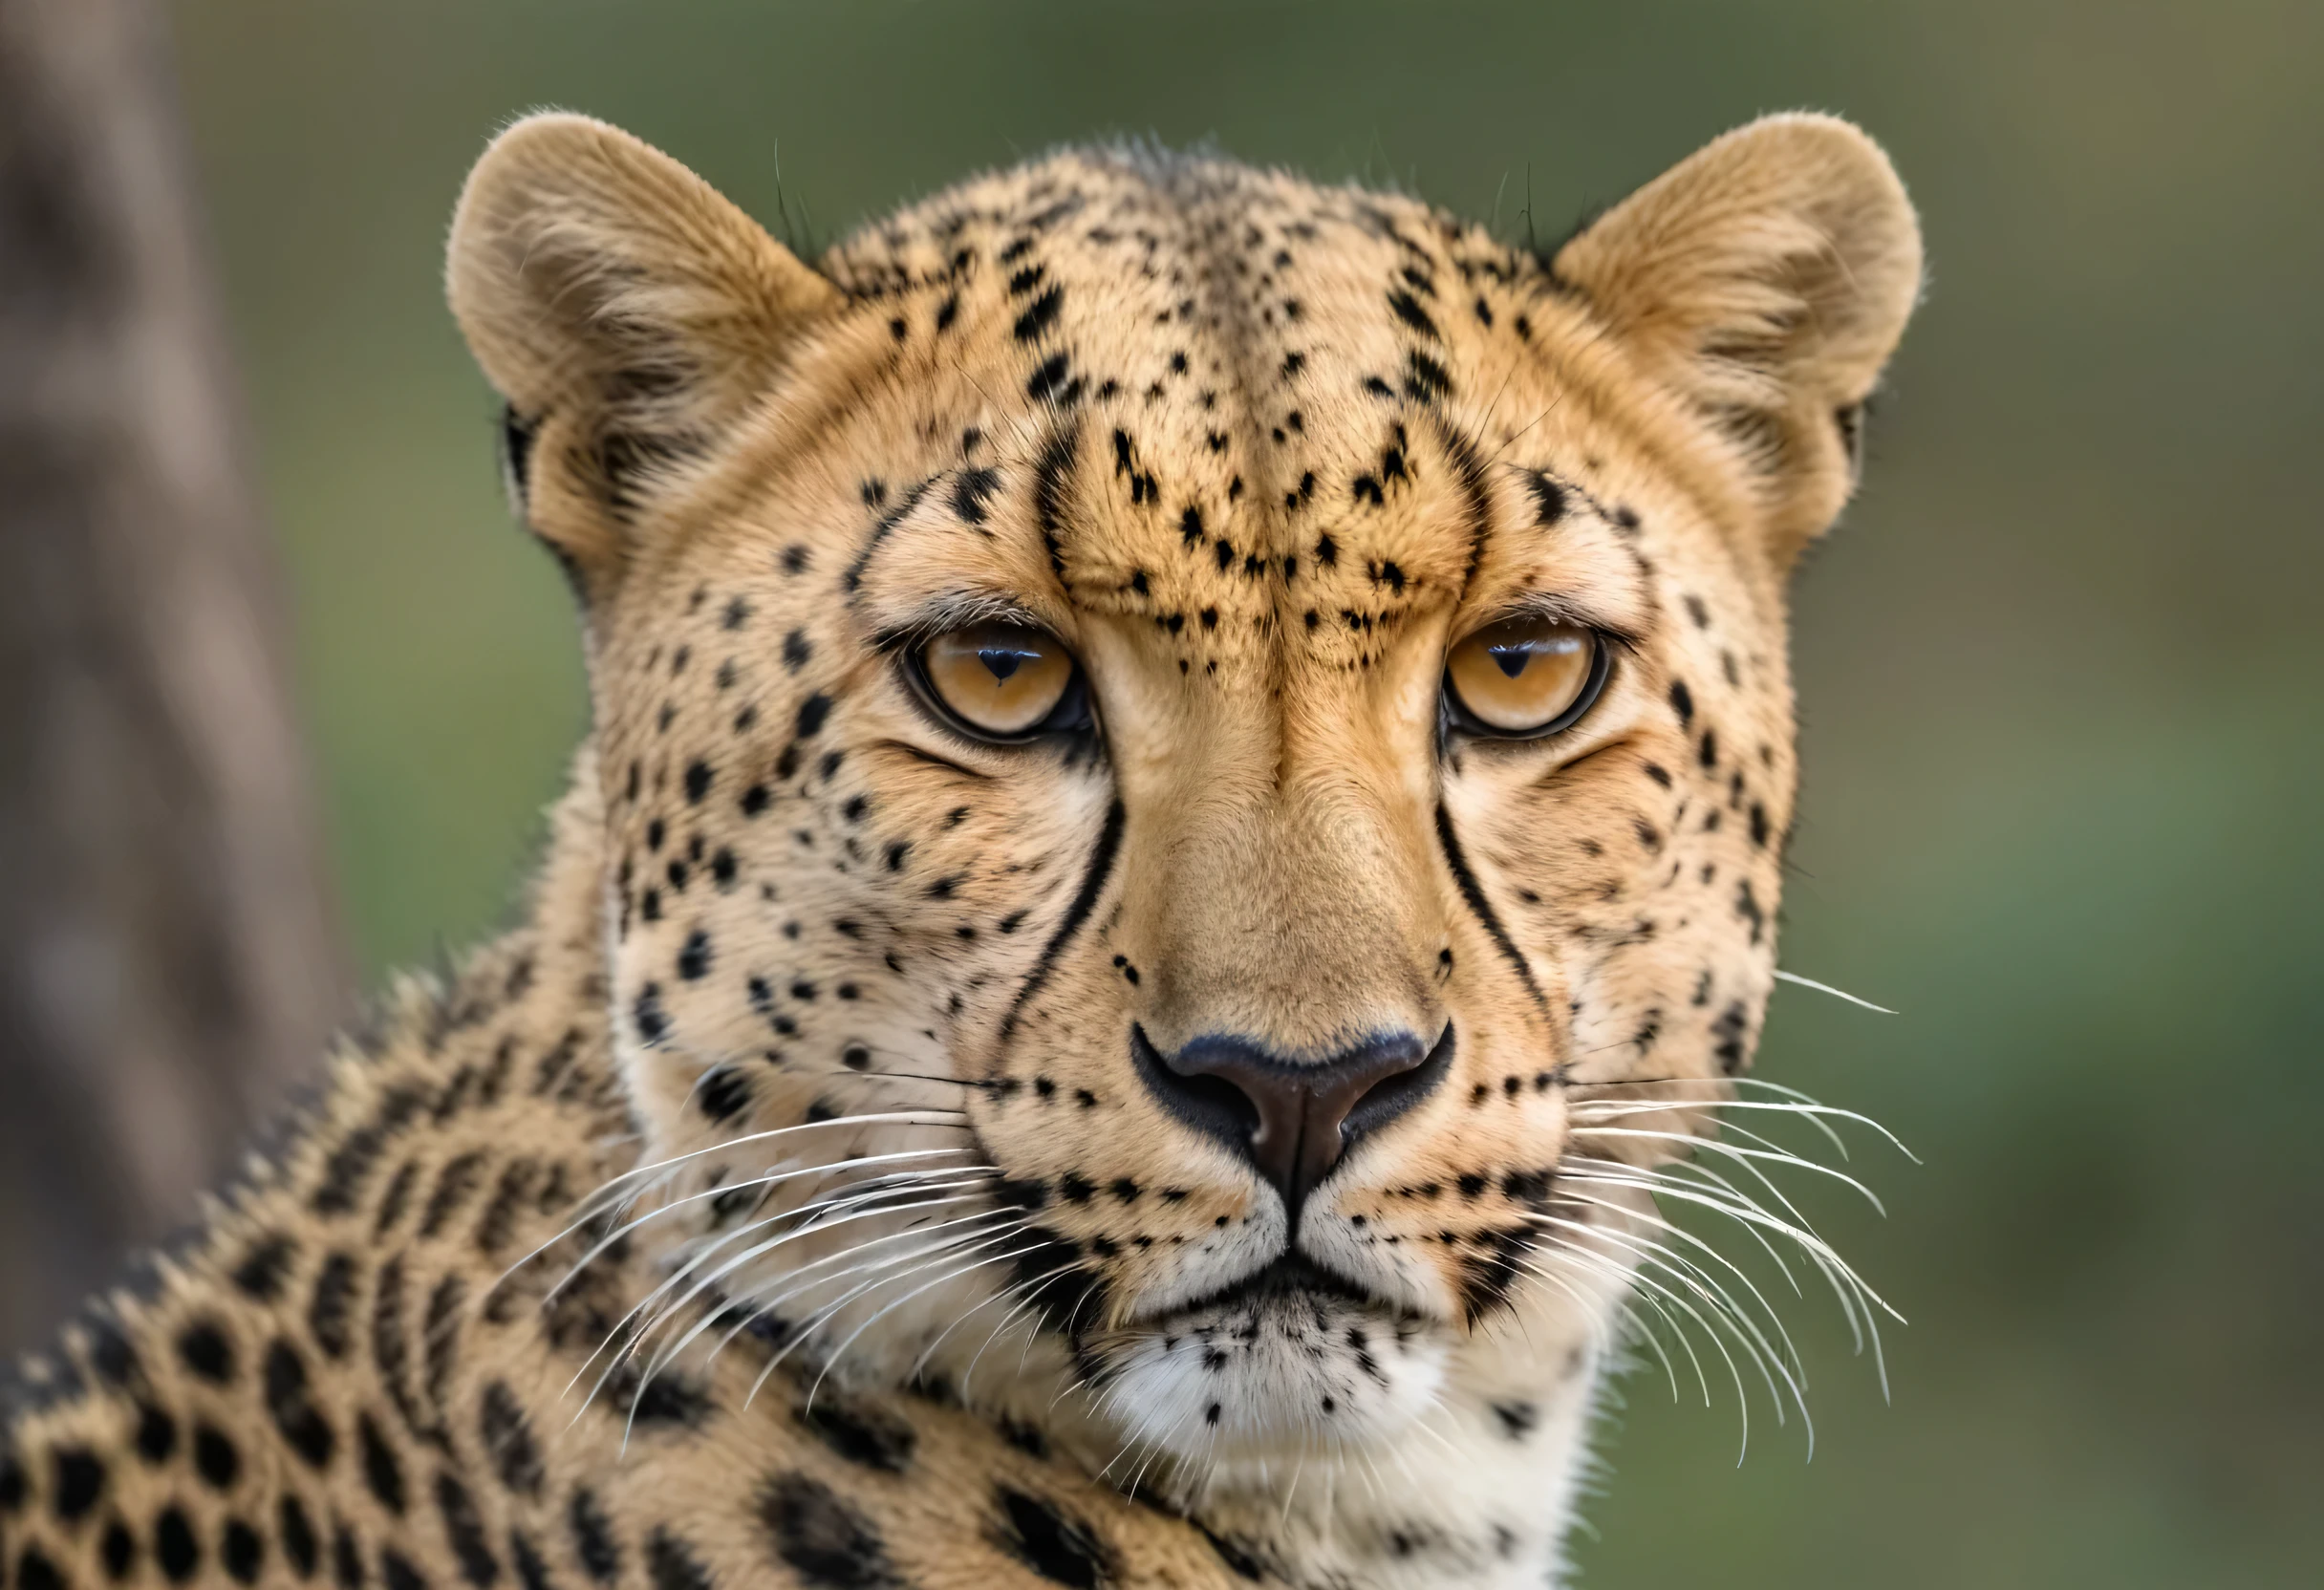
{"x": 783, "y": 1202}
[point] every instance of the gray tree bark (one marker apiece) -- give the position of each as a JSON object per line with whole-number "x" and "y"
{"x": 169, "y": 964}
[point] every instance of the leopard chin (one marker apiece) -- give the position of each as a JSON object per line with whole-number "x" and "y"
{"x": 1287, "y": 1375}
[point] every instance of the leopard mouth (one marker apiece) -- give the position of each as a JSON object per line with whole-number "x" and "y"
{"x": 1289, "y": 1277}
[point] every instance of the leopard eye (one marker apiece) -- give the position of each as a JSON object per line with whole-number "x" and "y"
{"x": 1001, "y": 681}
{"x": 1525, "y": 678}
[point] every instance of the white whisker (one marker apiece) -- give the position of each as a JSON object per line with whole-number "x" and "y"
{"x": 1827, "y": 988}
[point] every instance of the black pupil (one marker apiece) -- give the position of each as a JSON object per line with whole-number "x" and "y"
{"x": 1005, "y": 660}
{"x": 1512, "y": 654}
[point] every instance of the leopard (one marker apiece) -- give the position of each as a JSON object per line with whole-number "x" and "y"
{"x": 1183, "y": 819}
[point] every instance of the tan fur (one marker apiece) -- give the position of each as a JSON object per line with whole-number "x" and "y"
{"x": 1257, "y": 452}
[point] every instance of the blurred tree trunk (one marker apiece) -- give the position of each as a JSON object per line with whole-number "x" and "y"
{"x": 169, "y": 966}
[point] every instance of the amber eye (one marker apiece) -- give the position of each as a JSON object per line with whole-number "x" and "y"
{"x": 1001, "y": 681}
{"x": 1523, "y": 678}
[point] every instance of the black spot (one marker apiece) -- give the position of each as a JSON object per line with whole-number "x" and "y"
{"x": 1190, "y": 525}
{"x": 80, "y": 1480}
{"x": 796, "y": 559}
{"x": 754, "y": 799}
{"x": 263, "y": 1269}
{"x": 867, "y": 1435}
{"x": 297, "y": 1534}
{"x": 530, "y": 1571}
{"x": 698, "y": 781}
{"x": 156, "y": 1434}
{"x": 1730, "y": 1029}
{"x": 1424, "y": 379}
{"x": 724, "y": 1092}
{"x": 1049, "y": 378}
{"x": 174, "y": 1546}
{"x": 507, "y": 1437}
{"x": 1548, "y": 498}
{"x": 1488, "y": 1277}
{"x": 215, "y": 1458}
{"x": 396, "y": 1569}
{"x": 673, "y": 1564}
{"x": 694, "y": 957}
{"x": 826, "y": 1541}
{"x": 110, "y": 1353}
{"x": 119, "y": 1550}
{"x": 972, "y": 493}
{"x": 670, "y": 1398}
{"x": 1377, "y": 388}
{"x": 328, "y": 1309}
{"x": 811, "y": 715}
{"x": 653, "y": 1022}
{"x": 381, "y": 1472}
{"x": 1408, "y": 310}
{"x": 1040, "y": 314}
{"x": 466, "y": 1528}
{"x": 1517, "y": 1418}
{"x": 242, "y": 1552}
{"x": 1708, "y": 755}
{"x": 293, "y": 1412}
{"x": 1045, "y": 1540}
{"x": 1747, "y": 906}
{"x": 459, "y": 1178}
{"x": 1682, "y": 702}
{"x": 202, "y": 1348}
{"x": 594, "y": 1538}
{"x": 346, "y": 1559}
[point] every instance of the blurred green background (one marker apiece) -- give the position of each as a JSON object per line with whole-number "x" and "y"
{"x": 2060, "y": 670}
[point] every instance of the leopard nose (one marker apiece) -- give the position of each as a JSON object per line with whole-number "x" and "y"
{"x": 1291, "y": 1120}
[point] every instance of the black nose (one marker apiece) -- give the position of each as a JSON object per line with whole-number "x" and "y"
{"x": 1291, "y": 1120}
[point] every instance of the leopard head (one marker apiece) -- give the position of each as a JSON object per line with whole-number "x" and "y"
{"x": 1166, "y": 732}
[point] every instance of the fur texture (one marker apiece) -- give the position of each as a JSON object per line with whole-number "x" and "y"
{"x": 811, "y": 1074}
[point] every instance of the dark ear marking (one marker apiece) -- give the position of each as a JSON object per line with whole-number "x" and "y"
{"x": 1849, "y": 420}
{"x": 516, "y": 456}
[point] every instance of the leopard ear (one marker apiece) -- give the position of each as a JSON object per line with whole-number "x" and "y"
{"x": 623, "y": 309}
{"x": 1765, "y": 280}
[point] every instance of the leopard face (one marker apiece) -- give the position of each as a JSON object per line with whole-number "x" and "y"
{"x": 1165, "y": 731}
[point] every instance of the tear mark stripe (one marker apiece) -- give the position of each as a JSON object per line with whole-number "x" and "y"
{"x": 1474, "y": 892}
{"x": 1084, "y": 901}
